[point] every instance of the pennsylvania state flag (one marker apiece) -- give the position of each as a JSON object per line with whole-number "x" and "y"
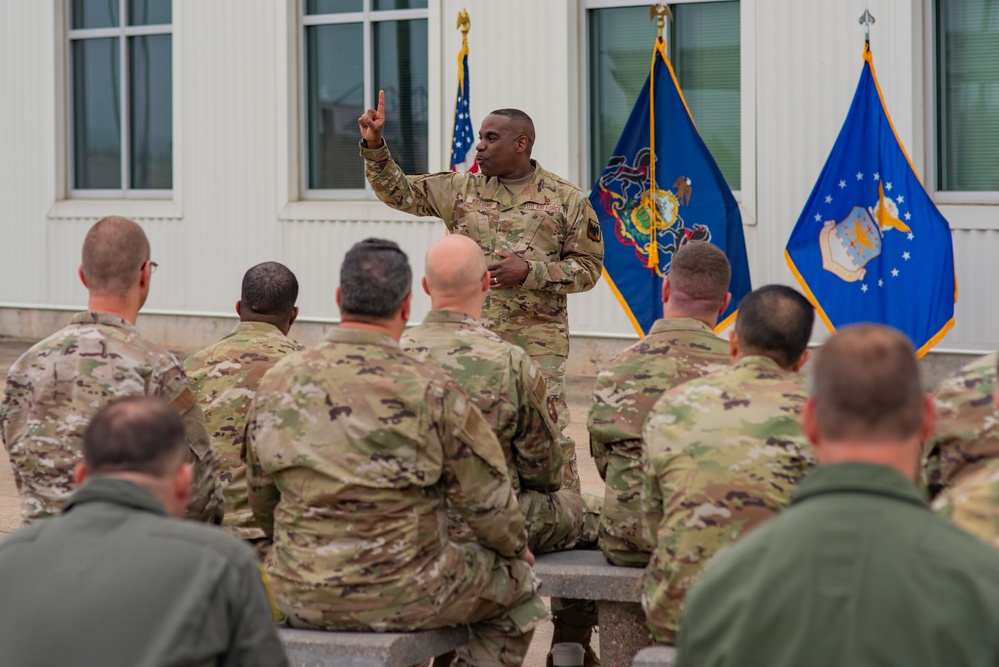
{"x": 643, "y": 220}
{"x": 870, "y": 246}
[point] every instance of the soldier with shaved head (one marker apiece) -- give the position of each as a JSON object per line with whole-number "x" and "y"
{"x": 225, "y": 376}
{"x": 55, "y": 388}
{"x": 723, "y": 452}
{"x": 507, "y": 387}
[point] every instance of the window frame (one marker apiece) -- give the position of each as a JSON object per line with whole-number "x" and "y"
{"x": 971, "y": 215}
{"x": 367, "y": 17}
{"x": 121, "y": 32}
{"x": 746, "y": 194}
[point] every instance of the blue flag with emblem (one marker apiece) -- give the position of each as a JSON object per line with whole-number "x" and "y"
{"x": 870, "y": 246}
{"x": 644, "y": 220}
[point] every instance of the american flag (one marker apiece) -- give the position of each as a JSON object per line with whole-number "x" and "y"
{"x": 463, "y": 139}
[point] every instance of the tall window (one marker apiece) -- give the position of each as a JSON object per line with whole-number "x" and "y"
{"x": 353, "y": 49}
{"x": 703, "y": 45}
{"x": 967, "y": 35}
{"x": 120, "y": 55}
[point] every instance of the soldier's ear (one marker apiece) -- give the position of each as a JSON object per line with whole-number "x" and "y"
{"x": 727, "y": 300}
{"x": 423, "y": 282}
{"x": 929, "y": 417}
{"x": 665, "y": 290}
{"x": 802, "y": 360}
{"x": 80, "y": 473}
{"x": 239, "y": 307}
{"x": 810, "y": 422}
{"x": 83, "y": 279}
{"x": 733, "y": 345}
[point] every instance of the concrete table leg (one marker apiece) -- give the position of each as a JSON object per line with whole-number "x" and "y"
{"x": 622, "y": 632}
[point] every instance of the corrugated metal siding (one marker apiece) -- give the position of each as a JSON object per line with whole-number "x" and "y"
{"x": 236, "y": 144}
{"x": 28, "y": 148}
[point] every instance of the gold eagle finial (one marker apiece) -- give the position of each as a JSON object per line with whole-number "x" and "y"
{"x": 464, "y": 22}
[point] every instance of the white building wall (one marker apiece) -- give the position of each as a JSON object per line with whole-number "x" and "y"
{"x": 237, "y": 198}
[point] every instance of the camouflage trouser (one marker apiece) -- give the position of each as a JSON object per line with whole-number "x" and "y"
{"x": 495, "y": 596}
{"x": 621, "y": 538}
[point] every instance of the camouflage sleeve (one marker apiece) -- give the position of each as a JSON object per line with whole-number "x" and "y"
{"x": 475, "y": 476}
{"x": 206, "y": 503}
{"x": 261, "y": 490}
{"x": 652, "y": 492}
{"x": 599, "y": 452}
{"x": 581, "y": 257}
{"x": 424, "y": 195}
{"x": 973, "y": 505}
{"x": 967, "y": 431}
{"x": 538, "y": 453}
{"x": 652, "y": 501}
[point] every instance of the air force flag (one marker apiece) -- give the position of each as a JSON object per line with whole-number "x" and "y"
{"x": 870, "y": 246}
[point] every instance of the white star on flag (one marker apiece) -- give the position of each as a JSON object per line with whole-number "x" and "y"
{"x": 860, "y": 176}
{"x": 894, "y": 273}
{"x": 863, "y": 288}
{"x": 911, "y": 235}
{"x": 828, "y": 199}
{"x": 842, "y": 184}
{"x": 905, "y": 256}
{"x": 908, "y": 216}
{"x": 818, "y": 217}
{"x": 888, "y": 186}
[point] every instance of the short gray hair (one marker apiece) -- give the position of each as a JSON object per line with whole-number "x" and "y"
{"x": 375, "y": 280}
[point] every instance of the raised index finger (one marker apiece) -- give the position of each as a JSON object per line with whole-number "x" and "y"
{"x": 381, "y": 102}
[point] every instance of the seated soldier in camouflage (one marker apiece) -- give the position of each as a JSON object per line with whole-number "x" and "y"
{"x": 354, "y": 449}
{"x": 505, "y": 385}
{"x": 724, "y": 452}
{"x": 967, "y": 433}
{"x": 225, "y": 375}
{"x": 680, "y": 346}
{"x": 972, "y": 500}
{"x": 57, "y": 386}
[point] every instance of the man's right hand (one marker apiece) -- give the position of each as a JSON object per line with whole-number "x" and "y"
{"x": 372, "y": 123}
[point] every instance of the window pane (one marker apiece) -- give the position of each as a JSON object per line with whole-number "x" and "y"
{"x": 95, "y": 13}
{"x": 380, "y": 5}
{"x": 401, "y": 71}
{"x": 335, "y": 75}
{"x": 96, "y": 120}
{"x": 333, "y": 6}
{"x": 968, "y": 94}
{"x": 705, "y": 55}
{"x": 149, "y": 12}
{"x": 621, "y": 41}
{"x": 151, "y": 117}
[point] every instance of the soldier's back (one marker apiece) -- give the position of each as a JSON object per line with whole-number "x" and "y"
{"x": 675, "y": 351}
{"x": 224, "y": 376}
{"x": 351, "y": 433}
{"x": 54, "y": 389}
{"x": 723, "y": 453}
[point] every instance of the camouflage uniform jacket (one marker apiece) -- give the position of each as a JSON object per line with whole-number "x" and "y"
{"x": 504, "y": 384}
{"x": 722, "y": 453}
{"x": 967, "y": 431}
{"x": 674, "y": 351}
{"x": 973, "y": 503}
{"x": 550, "y": 224}
{"x": 55, "y": 388}
{"x": 353, "y": 446}
{"x": 224, "y": 377}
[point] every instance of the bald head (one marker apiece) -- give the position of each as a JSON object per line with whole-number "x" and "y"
{"x": 866, "y": 387}
{"x": 114, "y": 251}
{"x": 455, "y": 267}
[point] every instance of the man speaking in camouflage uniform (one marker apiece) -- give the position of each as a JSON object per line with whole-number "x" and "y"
{"x": 540, "y": 235}
{"x": 55, "y": 388}
{"x": 505, "y": 385}
{"x": 680, "y": 346}
{"x": 225, "y": 376}
{"x": 724, "y": 452}
{"x": 353, "y": 449}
